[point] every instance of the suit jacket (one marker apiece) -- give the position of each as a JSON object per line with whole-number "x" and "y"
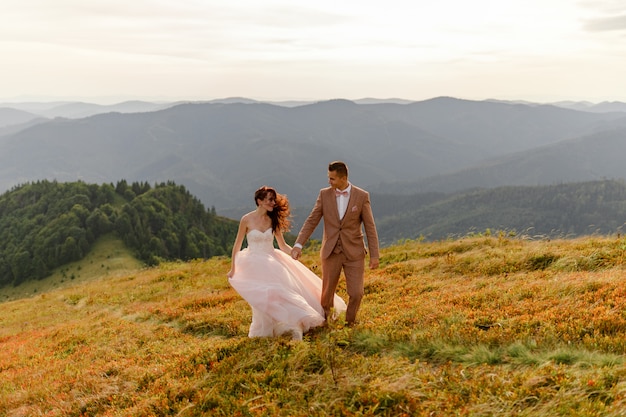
{"x": 359, "y": 211}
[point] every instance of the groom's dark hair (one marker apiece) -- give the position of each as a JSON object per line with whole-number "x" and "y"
{"x": 339, "y": 167}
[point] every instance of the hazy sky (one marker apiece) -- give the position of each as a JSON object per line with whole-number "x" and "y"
{"x": 112, "y": 50}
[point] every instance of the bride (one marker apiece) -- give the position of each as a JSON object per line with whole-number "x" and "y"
{"x": 283, "y": 293}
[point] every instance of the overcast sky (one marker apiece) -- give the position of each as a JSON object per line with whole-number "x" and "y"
{"x": 113, "y": 50}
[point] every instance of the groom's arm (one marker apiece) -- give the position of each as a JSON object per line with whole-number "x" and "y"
{"x": 308, "y": 227}
{"x": 367, "y": 217}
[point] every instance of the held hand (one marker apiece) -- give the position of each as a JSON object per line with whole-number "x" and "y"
{"x": 374, "y": 263}
{"x": 296, "y": 253}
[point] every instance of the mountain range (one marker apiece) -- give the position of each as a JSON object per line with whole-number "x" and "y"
{"x": 221, "y": 151}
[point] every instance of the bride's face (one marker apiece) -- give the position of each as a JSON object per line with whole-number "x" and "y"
{"x": 268, "y": 202}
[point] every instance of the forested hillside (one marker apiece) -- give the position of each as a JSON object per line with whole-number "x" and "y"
{"x": 46, "y": 224}
{"x": 560, "y": 210}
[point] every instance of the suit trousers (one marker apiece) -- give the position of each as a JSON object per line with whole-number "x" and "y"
{"x": 331, "y": 272}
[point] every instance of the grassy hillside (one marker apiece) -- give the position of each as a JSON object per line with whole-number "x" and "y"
{"x": 109, "y": 257}
{"x": 487, "y": 326}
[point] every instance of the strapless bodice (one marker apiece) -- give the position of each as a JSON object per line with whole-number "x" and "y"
{"x": 260, "y": 241}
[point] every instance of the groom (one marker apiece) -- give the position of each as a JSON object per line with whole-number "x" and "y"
{"x": 344, "y": 208}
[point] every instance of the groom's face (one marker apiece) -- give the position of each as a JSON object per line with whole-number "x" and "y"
{"x": 337, "y": 182}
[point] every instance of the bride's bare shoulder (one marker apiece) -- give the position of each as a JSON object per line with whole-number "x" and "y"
{"x": 249, "y": 220}
{"x": 247, "y": 215}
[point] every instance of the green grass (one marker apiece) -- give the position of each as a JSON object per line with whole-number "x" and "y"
{"x": 108, "y": 257}
{"x": 482, "y": 326}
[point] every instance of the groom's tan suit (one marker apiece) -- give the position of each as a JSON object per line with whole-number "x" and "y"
{"x": 343, "y": 244}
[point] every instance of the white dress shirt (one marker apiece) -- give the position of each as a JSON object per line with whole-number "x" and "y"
{"x": 342, "y": 201}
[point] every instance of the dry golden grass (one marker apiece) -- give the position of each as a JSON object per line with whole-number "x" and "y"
{"x": 487, "y": 326}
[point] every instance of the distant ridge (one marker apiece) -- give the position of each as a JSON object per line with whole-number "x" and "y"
{"x": 593, "y": 157}
{"x": 603, "y": 107}
{"x": 10, "y": 116}
{"x": 222, "y": 151}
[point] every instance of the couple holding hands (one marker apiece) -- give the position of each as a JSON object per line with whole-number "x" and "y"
{"x": 285, "y": 296}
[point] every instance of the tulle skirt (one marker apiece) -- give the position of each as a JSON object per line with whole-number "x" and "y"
{"x": 283, "y": 293}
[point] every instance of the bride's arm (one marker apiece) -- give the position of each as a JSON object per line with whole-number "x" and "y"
{"x": 281, "y": 242}
{"x": 241, "y": 232}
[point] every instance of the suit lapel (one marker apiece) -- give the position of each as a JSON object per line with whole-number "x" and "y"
{"x": 333, "y": 204}
{"x": 335, "y": 209}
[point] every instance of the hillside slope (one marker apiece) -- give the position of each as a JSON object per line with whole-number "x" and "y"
{"x": 562, "y": 210}
{"x": 595, "y": 156}
{"x": 45, "y": 225}
{"x": 108, "y": 257}
{"x": 481, "y": 326}
{"x": 9, "y": 116}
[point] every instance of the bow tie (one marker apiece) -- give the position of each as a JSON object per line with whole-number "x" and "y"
{"x": 338, "y": 193}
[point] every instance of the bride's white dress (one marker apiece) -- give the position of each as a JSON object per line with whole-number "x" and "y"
{"x": 283, "y": 293}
